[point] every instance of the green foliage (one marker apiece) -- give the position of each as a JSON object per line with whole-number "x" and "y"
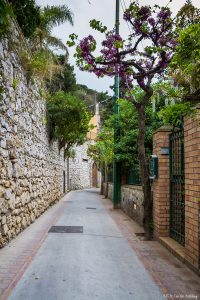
{"x": 5, "y": 13}
{"x": 186, "y": 62}
{"x": 38, "y": 64}
{"x": 27, "y": 15}
{"x": 173, "y": 114}
{"x": 166, "y": 89}
{"x": 64, "y": 80}
{"x": 44, "y": 120}
{"x": 2, "y": 90}
{"x": 107, "y": 108}
{"x": 72, "y": 40}
{"x": 68, "y": 118}
{"x": 15, "y": 83}
{"x": 43, "y": 64}
{"x": 36, "y": 23}
{"x": 187, "y": 15}
{"x": 103, "y": 151}
{"x": 90, "y": 96}
{"x": 70, "y": 153}
{"x": 97, "y": 25}
{"x": 126, "y": 149}
{"x": 52, "y": 16}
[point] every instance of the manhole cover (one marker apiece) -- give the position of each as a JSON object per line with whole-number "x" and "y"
{"x": 66, "y": 229}
{"x": 139, "y": 233}
{"x": 90, "y": 207}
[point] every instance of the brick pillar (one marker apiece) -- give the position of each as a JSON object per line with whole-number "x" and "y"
{"x": 192, "y": 190}
{"x": 161, "y": 187}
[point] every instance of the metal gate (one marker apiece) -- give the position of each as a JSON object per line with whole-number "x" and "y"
{"x": 177, "y": 194}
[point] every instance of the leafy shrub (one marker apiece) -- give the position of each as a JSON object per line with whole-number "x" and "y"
{"x": 42, "y": 64}
{"x": 186, "y": 62}
{"x": 27, "y": 14}
{"x": 5, "y": 13}
{"x": 68, "y": 120}
{"x": 173, "y": 114}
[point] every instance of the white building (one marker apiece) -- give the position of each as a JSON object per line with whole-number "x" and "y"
{"x": 83, "y": 171}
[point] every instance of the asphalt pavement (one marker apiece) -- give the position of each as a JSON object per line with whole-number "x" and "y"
{"x": 97, "y": 262}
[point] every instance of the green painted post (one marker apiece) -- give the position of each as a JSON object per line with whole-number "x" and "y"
{"x": 116, "y": 167}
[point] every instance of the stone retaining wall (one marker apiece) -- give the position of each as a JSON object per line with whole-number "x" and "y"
{"x": 31, "y": 168}
{"x": 80, "y": 168}
{"x": 132, "y": 198}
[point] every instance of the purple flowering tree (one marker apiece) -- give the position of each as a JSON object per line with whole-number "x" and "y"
{"x": 140, "y": 58}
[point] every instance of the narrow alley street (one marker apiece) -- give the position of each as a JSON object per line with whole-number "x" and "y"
{"x": 105, "y": 260}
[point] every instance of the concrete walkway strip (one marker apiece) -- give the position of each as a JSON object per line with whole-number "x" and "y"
{"x": 82, "y": 266}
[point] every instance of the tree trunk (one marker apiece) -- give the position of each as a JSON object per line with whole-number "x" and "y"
{"x": 102, "y": 180}
{"x": 106, "y": 180}
{"x": 144, "y": 172}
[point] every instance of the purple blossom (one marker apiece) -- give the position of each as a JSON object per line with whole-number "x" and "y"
{"x": 148, "y": 64}
{"x": 162, "y": 40}
{"x": 162, "y": 64}
{"x": 157, "y": 29}
{"x": 137, "y": 27}
{"x": 164, "y": 14}
{"x": 152, "y": 21}
{"x": 173, "y": 43}
{"x": 127, "y": 15}
{"x": 109, "y": 51}
{"x": 141, "y": 83}
{"x": 144, "y": 13}
{"x": 98, "y": 73}
{"x": 85, "y": 44}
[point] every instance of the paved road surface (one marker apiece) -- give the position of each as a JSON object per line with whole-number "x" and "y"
{"x": 95, "y": 264}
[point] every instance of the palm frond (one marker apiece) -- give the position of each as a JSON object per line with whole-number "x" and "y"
{"x": 55, "y": 42}
{"x": 56, "y": 15}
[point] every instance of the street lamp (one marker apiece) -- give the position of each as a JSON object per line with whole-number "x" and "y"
{"x": 116, "y": 166}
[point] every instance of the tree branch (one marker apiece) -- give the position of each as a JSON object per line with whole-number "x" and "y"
{"x": 133, "y": 49}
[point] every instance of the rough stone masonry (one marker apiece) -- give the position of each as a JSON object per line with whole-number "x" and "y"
{"x": 31, "y": 168}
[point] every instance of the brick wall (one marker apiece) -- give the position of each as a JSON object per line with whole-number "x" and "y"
{"x": 161, "y": 188}
{"x": 192, "y": 189}
{"x": 161, "y": 184}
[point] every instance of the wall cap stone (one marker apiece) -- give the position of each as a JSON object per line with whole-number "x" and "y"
{"x": 133, "y": 187}
{"x": 165, "y": 128}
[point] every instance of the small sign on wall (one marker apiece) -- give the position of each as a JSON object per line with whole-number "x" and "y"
{"x": 164, "y": 151}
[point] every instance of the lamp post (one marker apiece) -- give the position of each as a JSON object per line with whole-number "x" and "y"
{"x": 116, "y": 165}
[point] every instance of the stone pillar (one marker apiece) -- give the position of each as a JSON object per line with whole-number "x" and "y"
{"x": 161, "y": 185}
{"x": 192, "y": 190}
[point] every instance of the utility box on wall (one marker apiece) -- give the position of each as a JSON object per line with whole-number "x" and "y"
{"x": 153, "y": 167}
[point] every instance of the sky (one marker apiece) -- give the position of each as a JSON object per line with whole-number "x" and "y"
{"x": 103, "y": 10}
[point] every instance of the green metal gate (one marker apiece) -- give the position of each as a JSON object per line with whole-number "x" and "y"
{"x": 177, "y": 183}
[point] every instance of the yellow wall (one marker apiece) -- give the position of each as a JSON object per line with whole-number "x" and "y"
{"x": 92, "y": 134}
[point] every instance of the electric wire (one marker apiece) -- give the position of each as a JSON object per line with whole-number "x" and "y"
{"x": 101, "y": 102}
{"x": 123, "y": 5}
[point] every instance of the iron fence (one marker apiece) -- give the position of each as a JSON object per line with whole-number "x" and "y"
{"x": 177, "y": 182}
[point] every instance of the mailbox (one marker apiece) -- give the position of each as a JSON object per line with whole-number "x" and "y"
{"x": 153, "y": 167}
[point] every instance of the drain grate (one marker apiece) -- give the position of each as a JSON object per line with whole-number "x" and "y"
{"x": 139, "y": 233}
{"x": 90, "y": 207}
{"x": 66, "y": 229}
